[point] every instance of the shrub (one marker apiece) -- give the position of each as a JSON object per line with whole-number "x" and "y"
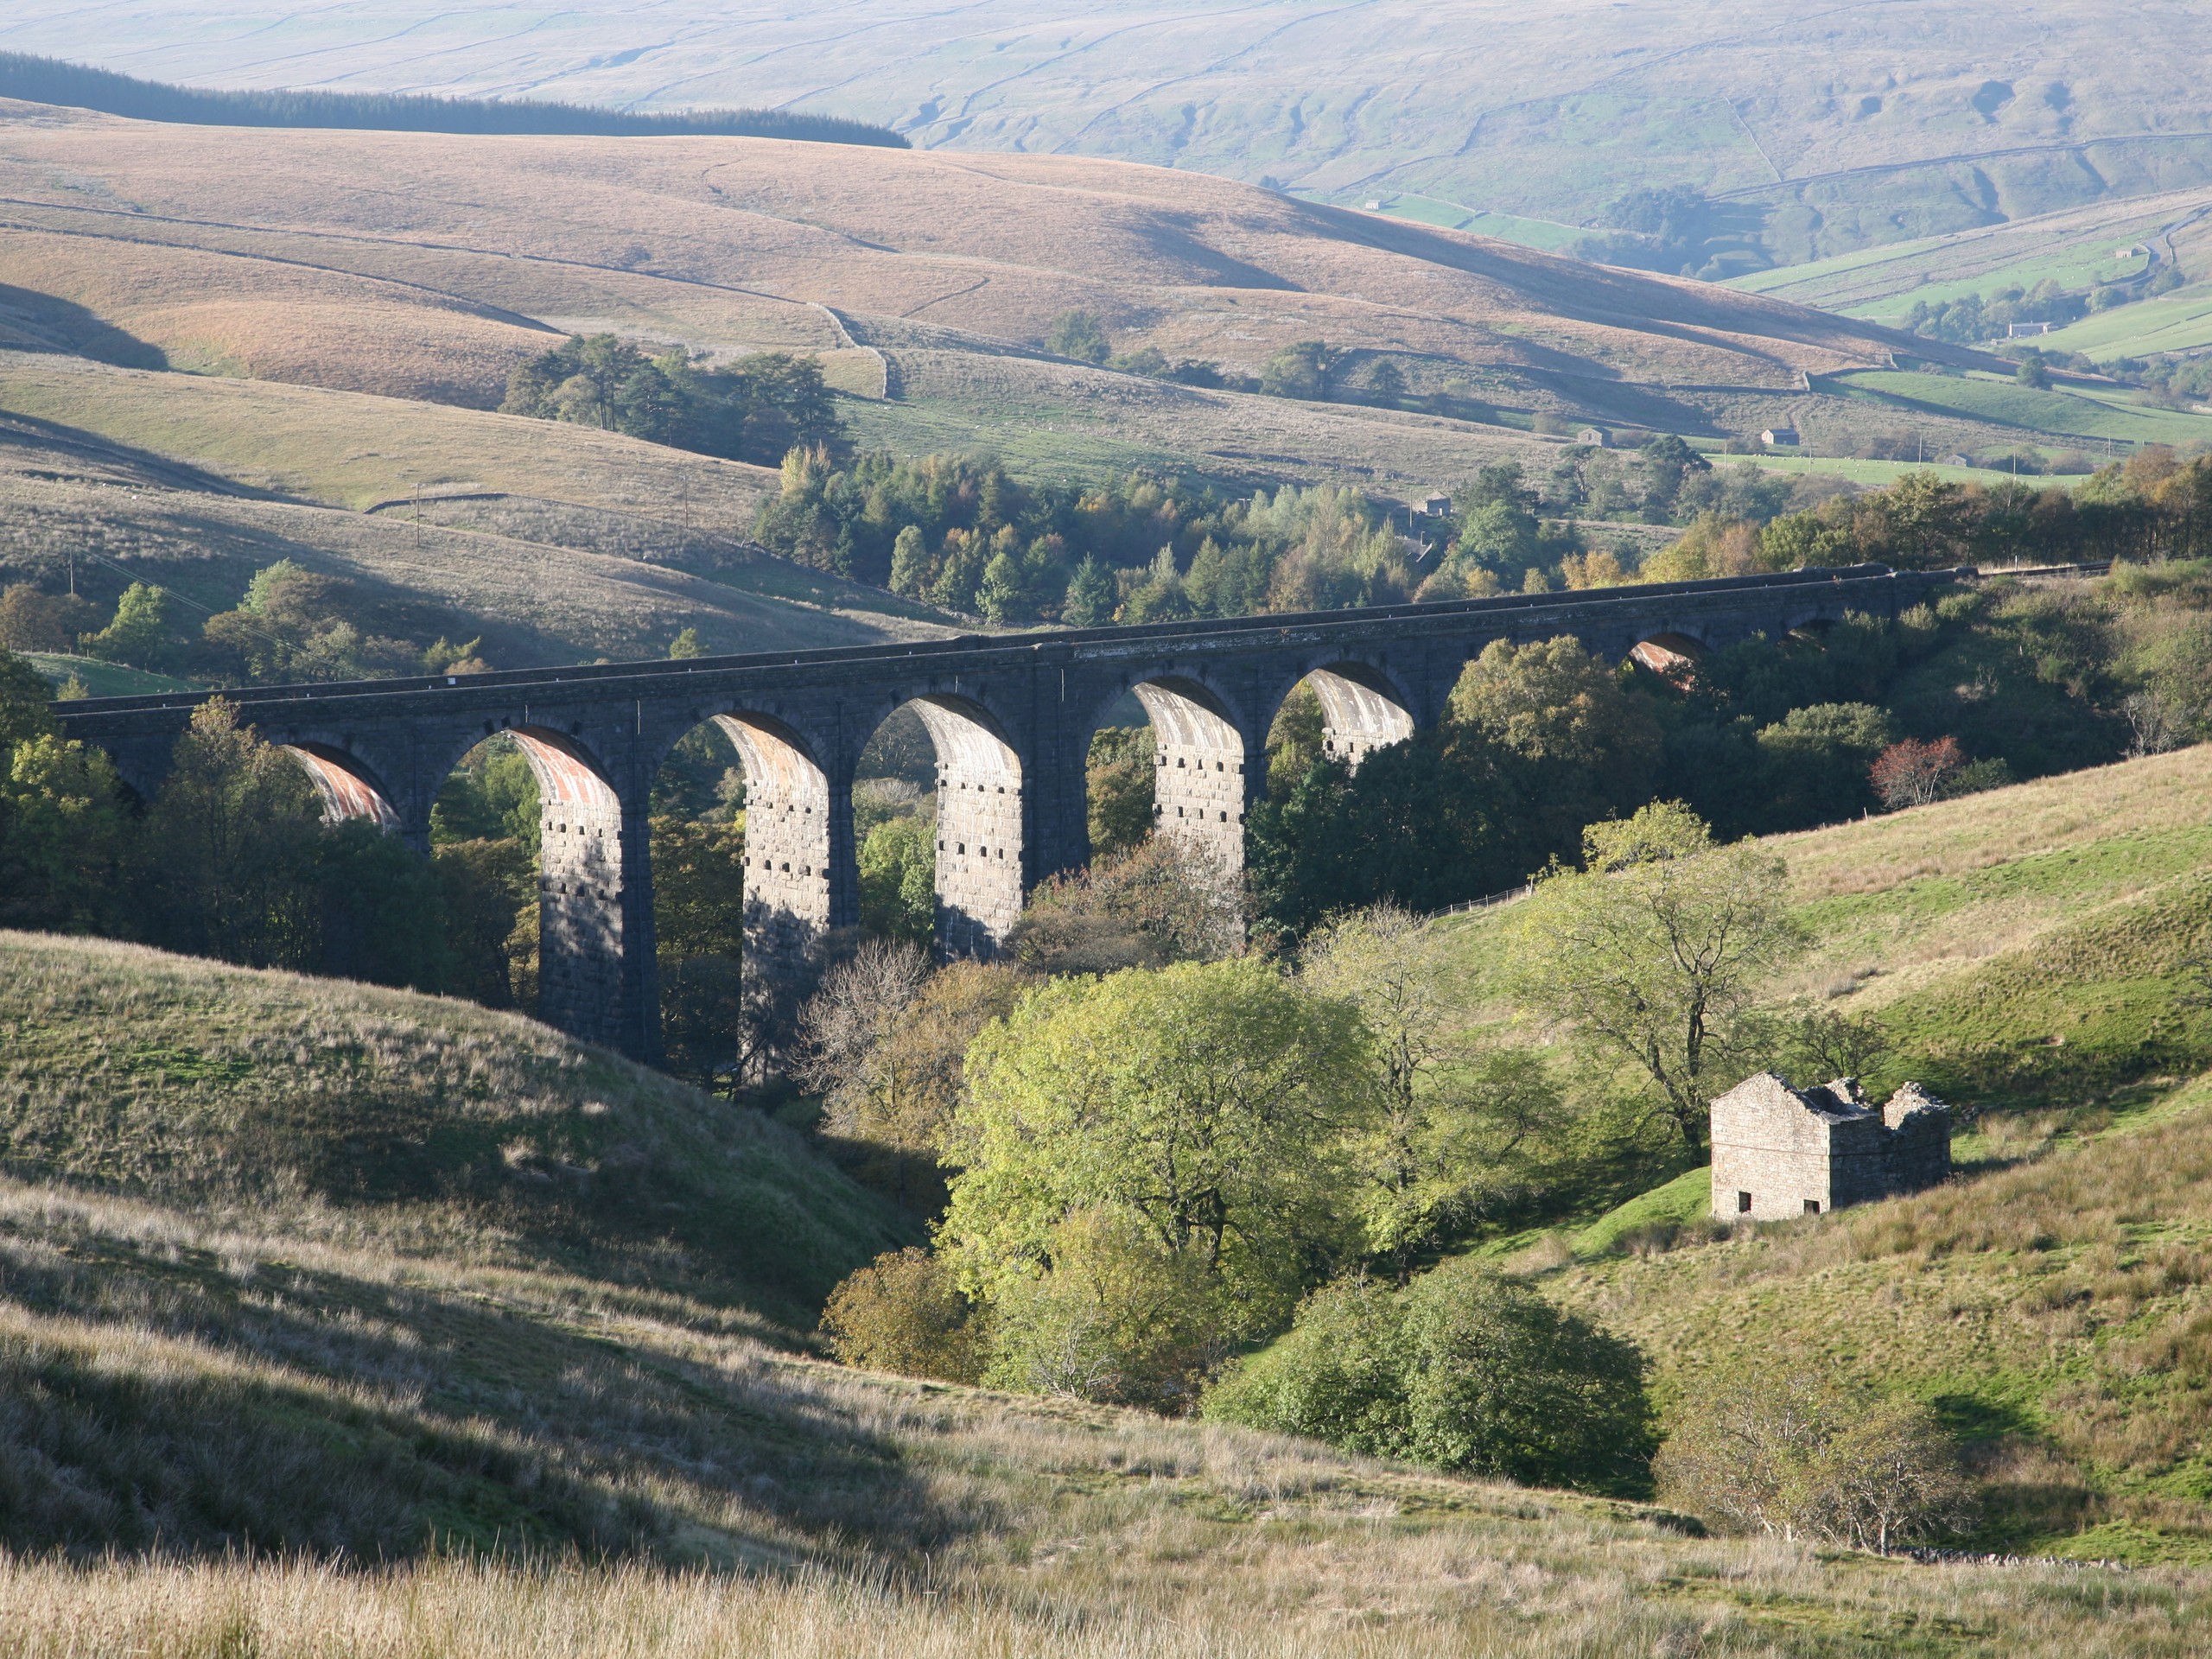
{"x": 1463, "y": 1370}
{"x": 1775, "y": 1448}
{"x": 1913, "y": 774}
{"x": 902, "y": 1312}
{"x": 1117, "y": 1317}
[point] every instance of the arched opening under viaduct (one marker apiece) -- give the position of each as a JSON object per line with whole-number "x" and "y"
{"x": 1671, "y": 655}
{"x": 1360, "y": 712}
{"x": 1344, "y": 712}
{"x": 1198, "y": 789}
{"x": 979, "y": 827}
{"x": 536, "y": 811}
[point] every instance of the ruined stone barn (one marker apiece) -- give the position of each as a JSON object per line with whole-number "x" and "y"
{"x": 1780, "y": 1151}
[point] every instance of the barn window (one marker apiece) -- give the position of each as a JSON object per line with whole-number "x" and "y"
{"x": 1743, "y": 1203}
{"x": 1812, "y": 1206}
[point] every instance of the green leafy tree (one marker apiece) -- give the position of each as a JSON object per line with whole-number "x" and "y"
{"x": 1163, "y": 900}
{"x": 898, "y": 867}
{"x": 1593, "y": 745}
{"x": 1653, "y": 956}
{"x": 379, "y": 911}
{"x": 1453, "y": 1116}
{"x": 884, "y": 1041}
{"x": 24, "y": 697}
{"x": 232, "y": 836}
{"x": 1089, "y": 602}
{"x": 1120, "y": 1319}
{"x": 910, "y": 561}
{"x": 1815, "y": 764}
{"x": 1121, "y": 779}
{"x": 699, "y": 933}
{"x": 1427, "y": 822}
{"x": 1208, "y": 1104}
{"x": 64, "y": 836}
{"x": 1081, "y": 335}
{"x": 491, "y": 796}
{"x": 487, "y": 886}
{"x": 1304, "y": 369}
{"x": 139, "y": 636}
{"x": 903, "y": 1312}
{"x": 1463, "y": 1370}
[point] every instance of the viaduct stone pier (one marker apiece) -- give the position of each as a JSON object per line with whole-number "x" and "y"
{"x": 1011, "y": 717}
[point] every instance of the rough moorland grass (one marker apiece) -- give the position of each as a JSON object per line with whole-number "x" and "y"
{"x": 2056, "y": 1304}
{"x": 431, "y": 1124}
{"x": 325, "y": 1312}
{"x": 217, "y": 1441}
{"x": 353, "y": 449}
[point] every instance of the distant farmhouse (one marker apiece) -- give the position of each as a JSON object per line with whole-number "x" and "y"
{"x": 1779, "y": 1151}
{"x": 1779, "y": 437}
{"x": 1594, "y": 436}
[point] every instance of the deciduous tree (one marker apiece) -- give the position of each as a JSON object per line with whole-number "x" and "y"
{"x": 1652, "y": 955}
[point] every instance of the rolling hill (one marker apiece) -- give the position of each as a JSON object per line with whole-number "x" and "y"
{"x": 424, "y": 267}
{"x": 1859, "y": 124}
{"x": 571, "y": 575}
{"x": 297, "y": 1276}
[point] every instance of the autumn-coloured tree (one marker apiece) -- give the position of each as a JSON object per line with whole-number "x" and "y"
{"x": 1913, "y": 774}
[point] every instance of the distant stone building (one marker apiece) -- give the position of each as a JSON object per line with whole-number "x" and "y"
{"x": 1779, "y": 437}
{"x": 1594, "y": 436}
{"x": 1779, "y": 1151}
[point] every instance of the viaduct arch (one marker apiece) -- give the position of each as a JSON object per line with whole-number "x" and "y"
{"x": 1010, "y": 715}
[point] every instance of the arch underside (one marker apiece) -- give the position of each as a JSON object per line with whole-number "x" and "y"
{"x": 1669, "y": 653}
{"x": 1199, "y": 769}
{"x": 790, "y": 899}
{"x": 979, "y": 827}
{"x": 1359, "y": 713}
{"x": 344, "y": 788}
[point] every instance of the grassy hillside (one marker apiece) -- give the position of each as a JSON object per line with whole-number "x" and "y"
{"x": 421, "y": 1124}
{"x": 299, "y": 1269}
{"x": 2028, "y": 953}
{"x": 1884, "y": 130}
{"x": 935, "y": 279}
{"x": 607, "y": 563}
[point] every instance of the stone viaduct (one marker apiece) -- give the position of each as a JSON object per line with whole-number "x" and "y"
{"x": 1011, "y": 717}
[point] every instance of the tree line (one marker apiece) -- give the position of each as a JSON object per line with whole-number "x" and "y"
{"x": 759, "y": 409}
{"x": 55, "y": 81}
{"x": 290, "y": 625}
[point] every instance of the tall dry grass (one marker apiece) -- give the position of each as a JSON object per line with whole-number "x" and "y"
{"x": 1367, "y": 1596}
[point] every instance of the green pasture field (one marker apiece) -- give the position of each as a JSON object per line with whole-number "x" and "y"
{"x": 2179, "y": 321}
{"x": 102, "y": 679}
{"x": 2067, "y": 414}
{"x": 1879, "y": 475}
{"x": 2026, "y": 954}
{"x": 1881, "y": 284}
{"x": 1543, "y": 234}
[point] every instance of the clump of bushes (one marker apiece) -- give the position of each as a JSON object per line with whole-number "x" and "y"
{"x": 1769, "y": 1447}
{"x": 1463, "y": 1370}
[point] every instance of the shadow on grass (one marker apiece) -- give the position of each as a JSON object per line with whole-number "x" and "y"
{"x": 333, "y": 1415}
